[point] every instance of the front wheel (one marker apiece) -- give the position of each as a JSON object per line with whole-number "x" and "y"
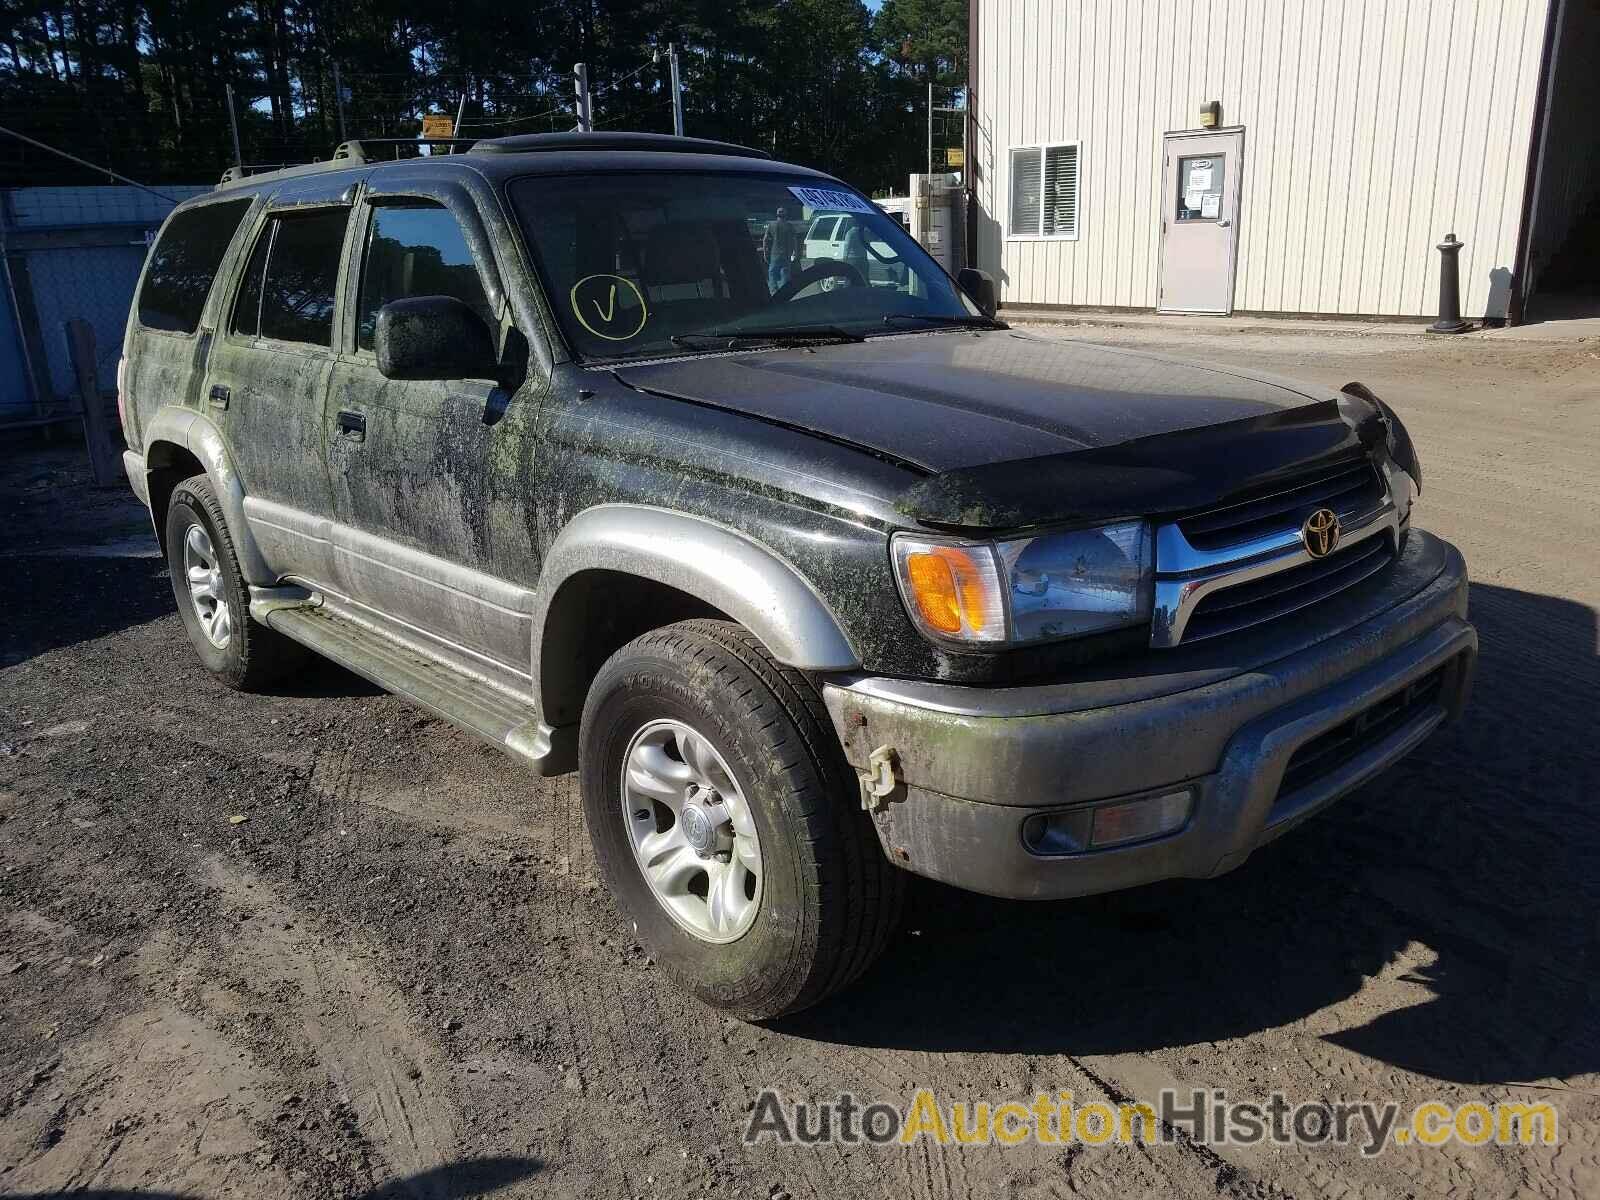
{"x": 724, "y": 821}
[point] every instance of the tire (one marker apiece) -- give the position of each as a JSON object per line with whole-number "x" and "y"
{"x": 828, "y": 899}
{"x": 250, "y": 656}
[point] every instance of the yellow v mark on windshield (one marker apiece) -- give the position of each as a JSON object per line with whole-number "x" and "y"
{"x": 610, "y": 310}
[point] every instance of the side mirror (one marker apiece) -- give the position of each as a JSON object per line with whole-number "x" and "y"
{"x": 980, "y": 286}
{"x": 434, "y": 337}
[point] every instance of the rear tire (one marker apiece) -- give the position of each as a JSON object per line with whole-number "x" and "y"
{"x": 827, "y": 898}
{"x": 213, "y": 598}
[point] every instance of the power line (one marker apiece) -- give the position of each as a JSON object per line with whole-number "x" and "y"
{"x": 549, "y": 112}
{"x": 615, "y": 83}
{"x": 22, "y": 137}
{"x": 633, "y": 115}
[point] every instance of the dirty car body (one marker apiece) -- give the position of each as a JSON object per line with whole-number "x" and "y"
{"x": 1078, "y": 618}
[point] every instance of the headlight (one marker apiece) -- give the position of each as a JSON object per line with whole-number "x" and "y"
{"x": 1057, "y": 585}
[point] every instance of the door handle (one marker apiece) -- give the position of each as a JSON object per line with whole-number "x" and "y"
{"x": 219, "y": 395}
{"x": 352, "y": 425}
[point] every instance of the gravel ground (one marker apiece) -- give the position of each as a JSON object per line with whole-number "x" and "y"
{"x": 317, "y": 944}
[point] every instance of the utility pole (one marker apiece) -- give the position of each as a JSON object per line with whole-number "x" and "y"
{"x": 233, "y": 120}
{"x": 338, "y": 95}
{"x": 930, "y": 123}
{"x": 461, "y": 111}
{"x": 580, "y": 83}
{"x": 677, "y": 89}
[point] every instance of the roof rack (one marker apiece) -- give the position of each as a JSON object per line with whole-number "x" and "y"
{"x": 527, "y": 143}
{"x": 358, "y": 152}
{"x": 232, "y": 175}
{"x": 361, "y": 148}
{"x": 353, "y": 153}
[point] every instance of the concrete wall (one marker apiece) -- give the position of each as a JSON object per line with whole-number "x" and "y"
{"x": 1371, "y": 129}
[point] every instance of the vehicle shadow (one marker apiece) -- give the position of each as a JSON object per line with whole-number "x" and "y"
{"x": 56, "y": 600}
{"x": 53, "y": 600}
{"x": 470, "y": 1177}
{"x": 1468, "y": 875}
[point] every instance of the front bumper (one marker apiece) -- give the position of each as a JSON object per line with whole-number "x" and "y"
{"x": 1224, "y": 718}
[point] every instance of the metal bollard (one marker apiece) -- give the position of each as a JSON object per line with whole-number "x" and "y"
{"x": 1450, "y": 288}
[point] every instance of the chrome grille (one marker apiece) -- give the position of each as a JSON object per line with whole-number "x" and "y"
{"x": 1287, "y": 591}
{"x": 1243, "y": 563}
{"x": 1350, "y": 486}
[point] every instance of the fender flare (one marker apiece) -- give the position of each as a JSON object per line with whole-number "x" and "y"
{"x": 725, "y": 568}
{"x": 196, "y": 433}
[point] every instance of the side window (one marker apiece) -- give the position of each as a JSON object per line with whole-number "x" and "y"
{"x": 247, "y": 307}
{"x": 1044, "y": 191}
{"x": 184, "y": 264}
{"x": 302, "y": 271}
{"x": 415, "y": 250}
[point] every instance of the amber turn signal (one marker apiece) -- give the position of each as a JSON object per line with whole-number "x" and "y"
{"x": 953, "y": 590}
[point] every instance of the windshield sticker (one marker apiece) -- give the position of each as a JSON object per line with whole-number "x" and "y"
{"x": 822, "y": 198}
{"x": 609, "y": 306}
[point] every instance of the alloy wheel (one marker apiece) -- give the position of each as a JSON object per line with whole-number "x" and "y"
{"x": 207, "y": 591}
{"x": 692, "y": 831}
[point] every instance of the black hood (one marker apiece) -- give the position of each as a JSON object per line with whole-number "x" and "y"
{"x": 1015, "y": 430}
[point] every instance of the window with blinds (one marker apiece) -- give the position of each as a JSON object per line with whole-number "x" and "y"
{"x": 1044, "y": 191}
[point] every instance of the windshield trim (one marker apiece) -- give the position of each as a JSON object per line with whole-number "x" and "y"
{"x": 748, "y": 169}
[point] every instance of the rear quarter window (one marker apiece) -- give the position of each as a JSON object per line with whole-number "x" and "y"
{"x": 184, "y": 265}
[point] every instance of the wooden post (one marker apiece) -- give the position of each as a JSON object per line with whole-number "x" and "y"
{"x": 32, "y": 335}
{"x": 105, "y": 460}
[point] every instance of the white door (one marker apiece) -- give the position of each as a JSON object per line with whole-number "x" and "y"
{"x": 1199, "y": 221}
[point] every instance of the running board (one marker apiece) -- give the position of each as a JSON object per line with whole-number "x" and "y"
{"x": 469, "y": 703}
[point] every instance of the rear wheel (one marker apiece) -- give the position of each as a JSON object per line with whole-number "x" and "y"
{"x": 724, "y": 821}
{"x": 212, "y": 596}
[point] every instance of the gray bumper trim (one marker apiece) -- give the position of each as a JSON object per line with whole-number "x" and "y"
{"x": 971, "y": 780}
{"x": 138, "y": 478}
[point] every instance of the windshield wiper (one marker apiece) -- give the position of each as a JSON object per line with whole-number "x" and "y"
{"x": 797, "y": 335}
{"x": 947, "y": 319}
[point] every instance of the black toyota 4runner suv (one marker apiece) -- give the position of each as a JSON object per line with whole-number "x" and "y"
{"x": 817, "y": 575}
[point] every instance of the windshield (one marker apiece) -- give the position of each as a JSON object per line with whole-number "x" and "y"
{"x": 657, "y": 263}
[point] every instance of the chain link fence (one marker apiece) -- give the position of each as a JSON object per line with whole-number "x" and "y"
{"x": 69, "y": 253}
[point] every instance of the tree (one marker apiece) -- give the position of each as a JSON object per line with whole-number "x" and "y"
{"x": 928, "y": 37}
{"x": 141, "y": 85}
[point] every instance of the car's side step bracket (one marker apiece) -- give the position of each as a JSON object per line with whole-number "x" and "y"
{"x": 472, "y": 704}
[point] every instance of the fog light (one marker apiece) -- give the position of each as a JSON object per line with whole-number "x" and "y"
{"x": 1081, "y": 829}
{"x": 1058, "y": 833}
{"x": 1117, "y": 824}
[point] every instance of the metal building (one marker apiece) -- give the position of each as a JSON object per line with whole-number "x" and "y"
{"x": 1283, "y": 156}
{"x": 67, "y": 253}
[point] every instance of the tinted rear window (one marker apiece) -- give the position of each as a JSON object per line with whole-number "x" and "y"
{"x": 184, "y": 265}
{"x": 302, "y": 270}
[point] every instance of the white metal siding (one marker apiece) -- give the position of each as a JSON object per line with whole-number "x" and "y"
{"x": 1371, "y": 129}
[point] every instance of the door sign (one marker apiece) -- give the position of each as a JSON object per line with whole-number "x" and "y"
{"x": 1200, "y": 187}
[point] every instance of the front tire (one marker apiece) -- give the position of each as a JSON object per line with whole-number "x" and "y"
{"x": 724, "y": 821}
{"x": 213, "y": 598}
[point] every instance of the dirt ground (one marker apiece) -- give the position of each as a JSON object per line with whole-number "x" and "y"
{"x": 397, "y": 976}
